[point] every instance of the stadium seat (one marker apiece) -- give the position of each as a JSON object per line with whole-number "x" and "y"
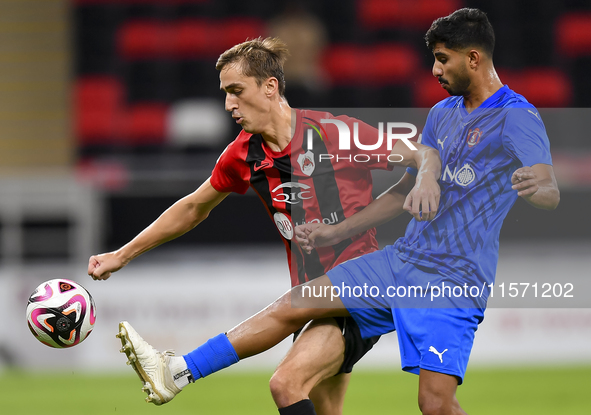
{"x": 380, "y": 14}
{"x": 185, "y": 39}
{"x": 390, "y": 64}
{"x": 145, "y": 123}
{"x": 194, "y": 38}
{"x": 239, "y": 29}
{"x": 342, "y": 64}
{"x": 573, "y": 34}
{"x": 98, "y": 103}
{"x": 384, "y": 64}
{"x": 143, "y": 39}
{"x": 543, "y": 87}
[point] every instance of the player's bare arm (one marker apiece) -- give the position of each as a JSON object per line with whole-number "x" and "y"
{"x": 178, "y": 219}
{"x": 387, "y": 206}
{"x": 537, "y": 185}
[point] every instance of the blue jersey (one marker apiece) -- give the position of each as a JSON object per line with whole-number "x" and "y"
{"x": 479, "y": 153}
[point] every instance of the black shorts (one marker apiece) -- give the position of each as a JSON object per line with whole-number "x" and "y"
{"x": 355, "y": 346}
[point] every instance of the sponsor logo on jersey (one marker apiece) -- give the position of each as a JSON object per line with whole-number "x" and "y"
{"x": 284, "y": 225}
{"x": 474, "y": 137}
{"x": 306, "y": 162}
{"x": 464, "y": 176}
{"x": 291, "y": 192}
{"x": 327, "y": 221}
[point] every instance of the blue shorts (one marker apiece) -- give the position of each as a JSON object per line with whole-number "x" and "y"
{"x": 435, "y": 338}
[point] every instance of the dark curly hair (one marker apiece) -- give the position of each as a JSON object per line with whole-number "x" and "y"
{"x": 462, "y": 29}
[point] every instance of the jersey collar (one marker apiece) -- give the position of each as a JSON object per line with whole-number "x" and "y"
{"x": 490, "y": 102}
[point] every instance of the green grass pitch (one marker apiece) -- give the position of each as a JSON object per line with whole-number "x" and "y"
{"x": 520, "y": 391}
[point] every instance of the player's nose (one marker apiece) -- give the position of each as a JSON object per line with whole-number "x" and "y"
{"x": 437, "y": 70}
{"x": 231, "y": 103}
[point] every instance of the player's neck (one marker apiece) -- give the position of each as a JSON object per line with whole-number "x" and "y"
{"x": 280, "y": 130}
{"x": 482, "y": 88}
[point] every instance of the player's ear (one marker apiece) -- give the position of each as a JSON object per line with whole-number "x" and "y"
{"x": 474, "y": 58}
{"x": 271, "y": 86}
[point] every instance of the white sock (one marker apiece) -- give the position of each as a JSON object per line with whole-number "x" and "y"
{"x": 180, "y": 372}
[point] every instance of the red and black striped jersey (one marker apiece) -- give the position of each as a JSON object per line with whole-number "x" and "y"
{"x": 311, "y": 180}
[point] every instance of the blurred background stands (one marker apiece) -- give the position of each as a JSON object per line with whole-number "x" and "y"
{"x": 119, "y": 101}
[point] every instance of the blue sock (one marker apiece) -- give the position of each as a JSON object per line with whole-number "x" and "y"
{"x": 215, "y": 354}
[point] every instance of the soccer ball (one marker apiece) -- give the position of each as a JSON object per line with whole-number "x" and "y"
{"x": 60, "y": 313}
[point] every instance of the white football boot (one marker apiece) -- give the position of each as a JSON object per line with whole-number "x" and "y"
{"x": 150, "y": 365}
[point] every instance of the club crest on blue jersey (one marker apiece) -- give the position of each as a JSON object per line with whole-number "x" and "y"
{"x": 474, "y": 137}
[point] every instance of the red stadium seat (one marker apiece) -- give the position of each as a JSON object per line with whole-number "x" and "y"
{"x": 343, "y": 65}
{"x": 573, "y": 34}
{"x": 98, "y": 91}
{"x": 142, "y": 39}
{"x": 145, "y": 123}
{"x": 98, "y": 104}
{"x": 391, "y": 64}
{"x": 239, "y": 29}
{"x": 543, "y": 87}
{"x": 188, "y": 38}
{"x": 509, "y": 77}
{"x": 379, "y": 14}
{"x": 384, "y": 64}
{"x": 194, "y": 38}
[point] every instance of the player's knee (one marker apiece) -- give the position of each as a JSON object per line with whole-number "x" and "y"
{"x": 284, "y": 388}
{"x": 431, "y": 404}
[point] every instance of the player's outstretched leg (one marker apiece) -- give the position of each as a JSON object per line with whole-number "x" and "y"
{"x": 164, "y": 375}
{"x": 152, "y": 367}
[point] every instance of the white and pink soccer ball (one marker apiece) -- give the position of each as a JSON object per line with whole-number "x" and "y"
{"x": 61, "y": 313}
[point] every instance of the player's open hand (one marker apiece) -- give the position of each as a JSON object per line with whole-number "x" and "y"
{"x": 100, "y": 267}
{"x": 422, "y": 201}
{"x": 525, "y": 181}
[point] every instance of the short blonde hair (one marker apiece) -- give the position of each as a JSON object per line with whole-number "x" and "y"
{"x": 259, "y": 58}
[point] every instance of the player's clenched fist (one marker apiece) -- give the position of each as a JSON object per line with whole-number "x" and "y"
{"x": 101, "y": 266}
{"x": 315, "y": 235}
